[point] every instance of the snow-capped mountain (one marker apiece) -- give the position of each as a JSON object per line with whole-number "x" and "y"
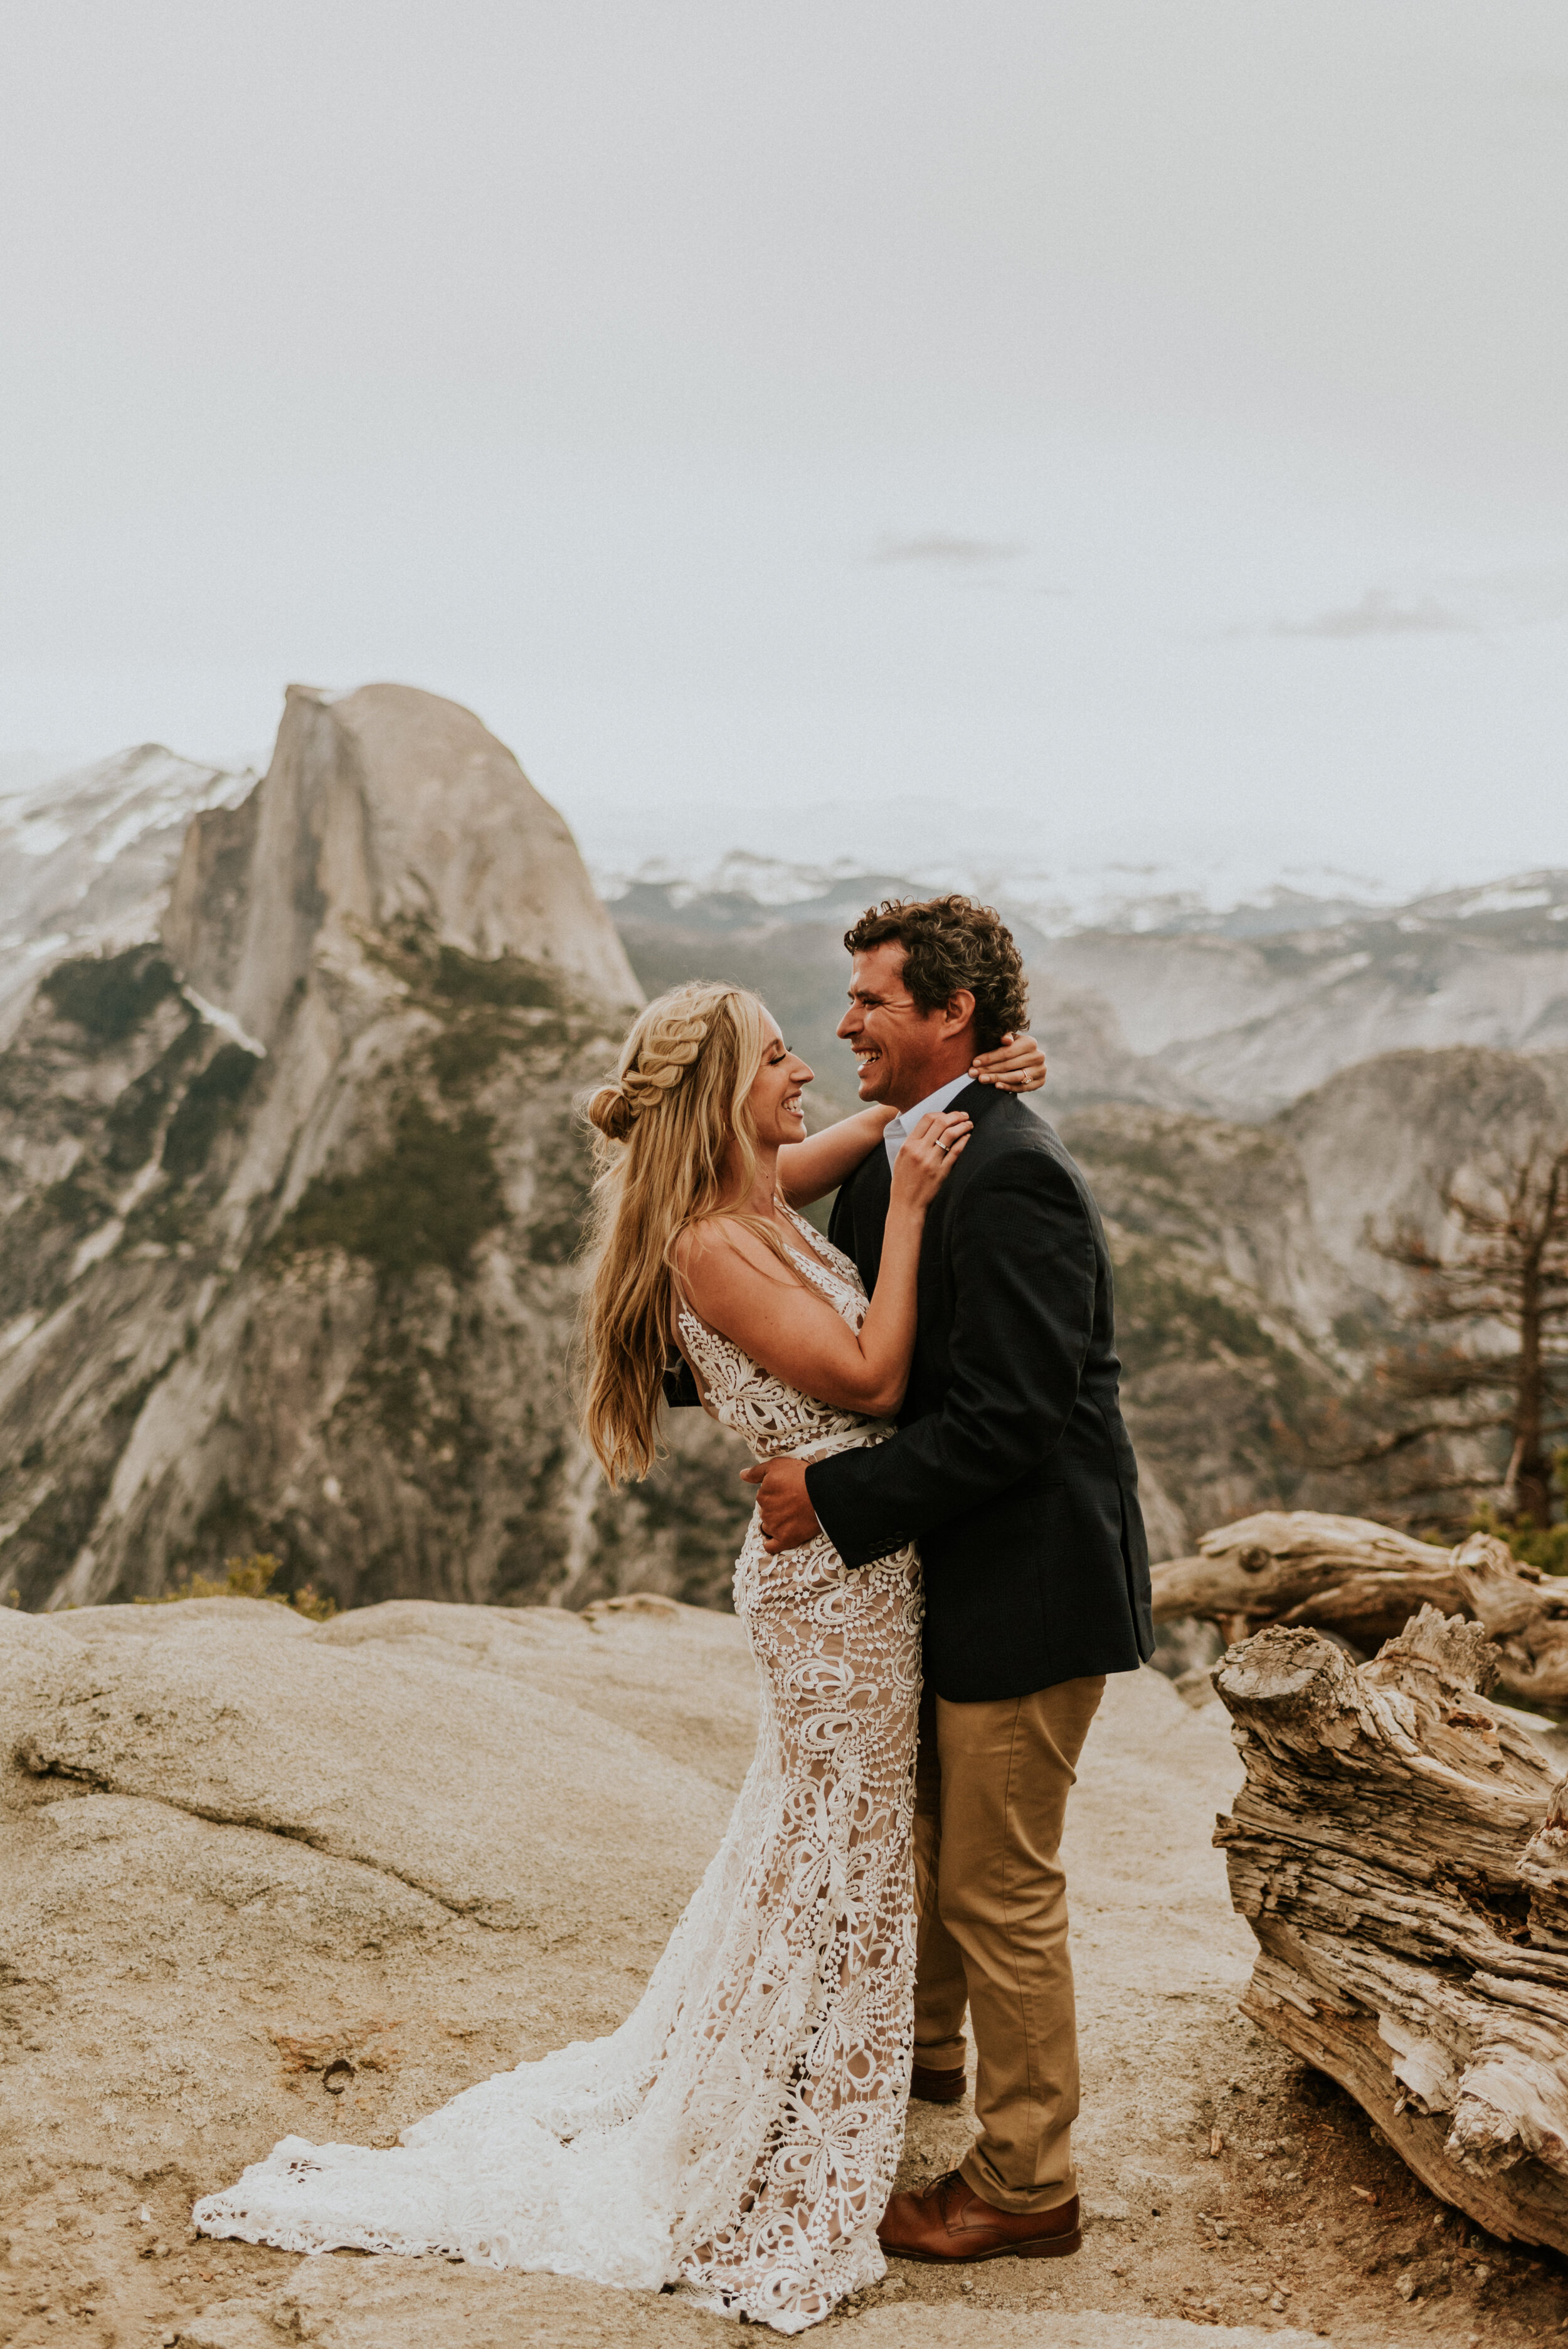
{"x": 1162, "y": 998}
{"x": 1234, "y": 897}
{"x": 85, "y": 859}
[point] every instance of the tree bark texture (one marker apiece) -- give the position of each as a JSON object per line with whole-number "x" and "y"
{"x": 1400, "y": 1850}
{"x": 1363, "y": 1581}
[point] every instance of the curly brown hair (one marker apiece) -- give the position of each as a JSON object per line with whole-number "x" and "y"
{"x": 951, "y": 942}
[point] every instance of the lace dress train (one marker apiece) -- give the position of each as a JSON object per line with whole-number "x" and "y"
{"x": 738, "y": 2136}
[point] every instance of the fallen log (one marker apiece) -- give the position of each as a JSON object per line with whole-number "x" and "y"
{"x": 1363, "y": 1581}
{"x": 1400, "y": 1850}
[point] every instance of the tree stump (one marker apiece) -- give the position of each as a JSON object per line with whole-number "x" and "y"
{"x": 1364, "y": 1581}
{"x": 1400, "y": 1850}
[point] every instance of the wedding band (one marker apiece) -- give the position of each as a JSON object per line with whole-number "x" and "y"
{"x": 942, "y": 1147}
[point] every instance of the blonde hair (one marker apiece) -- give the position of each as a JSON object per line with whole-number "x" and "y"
{"x": 667, "y": 1122}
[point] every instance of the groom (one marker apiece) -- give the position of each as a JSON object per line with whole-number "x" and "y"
{"x": 1014, "y": 1472}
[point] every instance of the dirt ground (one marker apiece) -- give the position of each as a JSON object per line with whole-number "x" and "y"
{"x": 225, "y": 1926}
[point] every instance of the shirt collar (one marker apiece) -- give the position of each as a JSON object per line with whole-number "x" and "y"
{"x": 907, "y": 1119}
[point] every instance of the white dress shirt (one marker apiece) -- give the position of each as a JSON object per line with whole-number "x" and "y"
{"x": 904, "y": 1125}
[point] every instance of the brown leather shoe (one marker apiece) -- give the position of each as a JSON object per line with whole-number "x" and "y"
{"x": 937, "y": 2088}
{"x": 948, "y": 2221}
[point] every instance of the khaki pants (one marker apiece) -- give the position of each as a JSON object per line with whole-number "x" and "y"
{"x": 990, "y": 1793}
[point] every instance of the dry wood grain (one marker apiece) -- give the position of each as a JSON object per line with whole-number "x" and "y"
{"x": 1363, "y": 1581}
{"x": 1401, "y": 1849}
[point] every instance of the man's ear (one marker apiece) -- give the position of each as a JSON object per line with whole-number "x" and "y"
{"x": 959, "y": 1009}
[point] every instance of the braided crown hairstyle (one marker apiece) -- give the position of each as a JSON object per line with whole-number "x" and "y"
{"x": 666, "y": 1121}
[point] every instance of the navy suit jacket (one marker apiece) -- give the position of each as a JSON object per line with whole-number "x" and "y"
{"x": 1012, "y": 1466}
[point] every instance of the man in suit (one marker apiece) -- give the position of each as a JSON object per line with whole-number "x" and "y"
{"x": 1012, "y": 1470}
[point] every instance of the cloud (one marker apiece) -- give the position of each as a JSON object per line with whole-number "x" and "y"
{"x": 939, "y": 546}
{"x": 1380, "y": 612}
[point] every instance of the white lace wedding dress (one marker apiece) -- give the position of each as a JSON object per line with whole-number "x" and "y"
{"x": 738, "y": 2136}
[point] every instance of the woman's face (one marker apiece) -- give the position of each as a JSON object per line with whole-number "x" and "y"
{"x": 774, "y": 1100}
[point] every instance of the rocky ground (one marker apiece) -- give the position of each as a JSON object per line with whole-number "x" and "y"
{"x": 259, "y": 1876}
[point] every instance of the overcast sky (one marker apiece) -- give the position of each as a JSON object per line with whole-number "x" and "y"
{"x": 1146, "y": 424}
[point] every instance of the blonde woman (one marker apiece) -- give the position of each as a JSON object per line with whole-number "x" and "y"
{"x": 738, "y": 2135}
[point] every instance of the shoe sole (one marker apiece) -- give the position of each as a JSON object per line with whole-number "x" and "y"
{"x": 1043, "y": 2247}
{"x": 942, "y": 2096}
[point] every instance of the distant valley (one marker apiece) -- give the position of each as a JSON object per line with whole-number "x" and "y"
{"x": 1234, "y": 1014}
{"x": 292, "y": 1179}
{"x": 1256, "y": 1101}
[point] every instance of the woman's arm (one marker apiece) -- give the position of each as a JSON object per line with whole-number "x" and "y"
{"x": 809, "y": 1170}
{"x": 739, "y": 1288}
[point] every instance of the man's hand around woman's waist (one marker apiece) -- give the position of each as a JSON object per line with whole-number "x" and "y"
{"x": 783, "y": 1503}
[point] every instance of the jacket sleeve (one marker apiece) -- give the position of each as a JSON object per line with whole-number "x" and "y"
{"x": 1024, "y": 1271}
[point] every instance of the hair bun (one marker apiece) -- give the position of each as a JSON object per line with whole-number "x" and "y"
{"x": 663, "y": 1045}
{"x": 612, "y": 1112}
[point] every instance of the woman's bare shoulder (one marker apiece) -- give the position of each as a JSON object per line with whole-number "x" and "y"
{"x": 715, "y": 1245}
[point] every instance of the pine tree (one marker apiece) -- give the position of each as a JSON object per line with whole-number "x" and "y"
{"x": 1504, "y": 1268}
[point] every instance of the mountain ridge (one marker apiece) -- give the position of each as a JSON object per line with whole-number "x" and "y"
{"x": 293, "y": 1178}
{"x": 1236, "y": 1019}
{"x": 292, "y": 1191}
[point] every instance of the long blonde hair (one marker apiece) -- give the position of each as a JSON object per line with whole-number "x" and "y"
{"x": 666, "y": 1122}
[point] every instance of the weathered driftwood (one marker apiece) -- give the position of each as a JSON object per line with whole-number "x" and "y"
{"x": 1401, "y": 1849}
{"x": 1364, "y": 1581}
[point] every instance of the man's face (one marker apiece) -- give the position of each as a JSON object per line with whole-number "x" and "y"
{"x": 896, "y": 1044}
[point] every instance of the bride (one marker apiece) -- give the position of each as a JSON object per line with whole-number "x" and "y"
{"x": 738, "y": 2135}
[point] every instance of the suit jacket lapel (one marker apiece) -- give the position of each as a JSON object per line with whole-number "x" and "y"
{"x": 872, "y": 1191}
{"x": 860, "y": 1213}
{"x": 977, "y": 1102}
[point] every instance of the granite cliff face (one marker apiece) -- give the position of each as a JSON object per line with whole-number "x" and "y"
{"x": 291, "y": 1190}
{"x": 383, "y": 812}
{"x": 1250, "y": 1295}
